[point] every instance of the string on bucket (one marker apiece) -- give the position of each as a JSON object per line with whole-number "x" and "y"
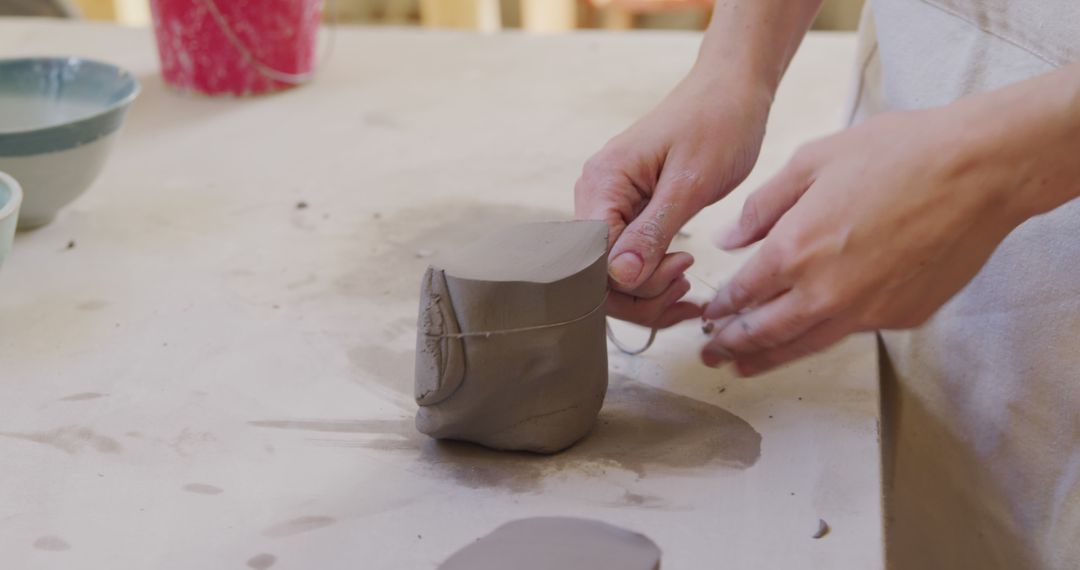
{"x": 262, "y": 68}
{"x": 623, "y": 348}
{"x": 707, "y": 328}
{"x": 486, "y": 334}
{"x": 607, "y": 325}
{"x": 599, "y": 306}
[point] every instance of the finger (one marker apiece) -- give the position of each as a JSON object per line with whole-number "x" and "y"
{"x": 607, "y": 191}
{"x": 818, "y": 338}
{"x": 773, "y": 324}
{"x": 768, "y": 203}
{"x": 642, "y": 245}
{"x": 672, "y": 267}
{"x": 645, "y": 312}
{"x": 677, "y": 313}
{"x": 605, "y": 204}
{"x": 756, "y": 282}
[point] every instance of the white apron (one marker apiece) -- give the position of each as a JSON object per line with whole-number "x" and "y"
{"x": 981, "y": 406}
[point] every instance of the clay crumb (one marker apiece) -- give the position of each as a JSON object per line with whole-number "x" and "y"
{"x": 301, "y": 205}
{"x": 822, "y": 529}
{"x": 683, "y": 234}
{"x": 70, "y": 244}
{"x": 422, "y": 253}
{"x": 707, "y": 327}
{"x": 376, "y": 216}
{"x": 722, "y": 390}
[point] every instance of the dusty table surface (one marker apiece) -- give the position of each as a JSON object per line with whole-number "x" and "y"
{"x": 218, "y": 373}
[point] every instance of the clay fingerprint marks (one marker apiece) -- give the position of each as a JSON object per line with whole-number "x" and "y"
{"x": 544, "y": 543}
{"x": 440, "y": 359}
{"x": 529, "y": 369}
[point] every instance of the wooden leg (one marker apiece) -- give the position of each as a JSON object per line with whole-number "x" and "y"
{"x": 617, "y": 18}
{"x": 398, "y": 11}
{"x": 133, "y": 12}
{"x": 549, "y": 15}
{"x": 97, "y": 9}
{"x": 129, "y": 12}
{"x": 481, "y": 15}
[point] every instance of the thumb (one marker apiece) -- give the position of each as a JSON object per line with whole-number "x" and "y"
{"x": 642, "y": 245}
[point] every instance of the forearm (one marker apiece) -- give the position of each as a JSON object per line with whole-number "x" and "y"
{"x": 1027, "y": 137}
{"x": 752, "y": 41}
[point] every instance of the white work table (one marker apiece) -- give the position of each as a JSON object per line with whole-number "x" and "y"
{"x": 217, "y": 377}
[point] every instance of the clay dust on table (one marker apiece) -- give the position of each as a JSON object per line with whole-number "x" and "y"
{"x": 641, "y": 429}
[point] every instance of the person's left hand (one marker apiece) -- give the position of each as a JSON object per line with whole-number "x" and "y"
{"x": 873, "y": 228}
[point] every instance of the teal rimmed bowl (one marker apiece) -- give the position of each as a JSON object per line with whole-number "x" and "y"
{"x": 58, "y": 119}
{"x": 10, "y": 200}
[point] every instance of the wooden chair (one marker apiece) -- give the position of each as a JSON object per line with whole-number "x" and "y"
{"x": 548, "y": 15}
{"x": 483, "y": 15}
{"x": 621, "y": 14}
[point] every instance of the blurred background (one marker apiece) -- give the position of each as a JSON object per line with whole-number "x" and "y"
{"x": 486, "y": 15}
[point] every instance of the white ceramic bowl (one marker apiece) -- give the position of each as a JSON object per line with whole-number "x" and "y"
{"x": 10, "y": 199}
{"x": 58, "y": 119}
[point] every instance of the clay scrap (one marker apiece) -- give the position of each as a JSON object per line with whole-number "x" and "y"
{"x": 510, "y": 349}
{"x": 544, "y": 543}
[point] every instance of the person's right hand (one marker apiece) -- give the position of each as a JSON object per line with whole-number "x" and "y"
{"x": 647, "y": 182}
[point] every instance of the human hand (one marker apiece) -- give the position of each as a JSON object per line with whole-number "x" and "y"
{"x": 873, "y": 228}
{"x": 647, "y": 182}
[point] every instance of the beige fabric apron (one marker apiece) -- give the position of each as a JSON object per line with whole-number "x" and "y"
{"x": 981, "y": 406}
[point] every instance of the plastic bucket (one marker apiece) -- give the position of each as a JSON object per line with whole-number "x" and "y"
{"x": 236, "y": 47}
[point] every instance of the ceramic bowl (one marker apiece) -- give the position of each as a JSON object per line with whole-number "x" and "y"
{"x": 58, "y": 120}
{"x": 10, "y": 199}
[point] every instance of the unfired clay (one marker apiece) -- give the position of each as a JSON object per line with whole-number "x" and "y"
{"x": 544, "y": 543}
{"x": 537, "y": 389}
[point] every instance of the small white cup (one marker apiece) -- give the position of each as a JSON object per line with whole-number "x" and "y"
{"x": 11, "y": 196}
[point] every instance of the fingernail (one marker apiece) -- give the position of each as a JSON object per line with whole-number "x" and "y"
{"x": 717, "y": 310}
{"x": 729, "y": 238}
{"x": 745, "y": 370}
{"x": 715, "y": 356}
{"x": 625, "y": 268}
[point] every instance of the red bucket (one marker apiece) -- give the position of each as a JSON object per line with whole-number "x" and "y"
{"x": 236, "y": 47}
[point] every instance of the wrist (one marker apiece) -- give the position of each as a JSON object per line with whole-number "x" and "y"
{"x": 755, "y": 40}
{"x": 727, "y": 90}
{"x": 1026, "y": 138}
{"x": 980, "y": 180}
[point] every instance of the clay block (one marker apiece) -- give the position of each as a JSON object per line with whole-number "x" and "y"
{"x": 537, "y": 381}
{"x": 545, "y": 543}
